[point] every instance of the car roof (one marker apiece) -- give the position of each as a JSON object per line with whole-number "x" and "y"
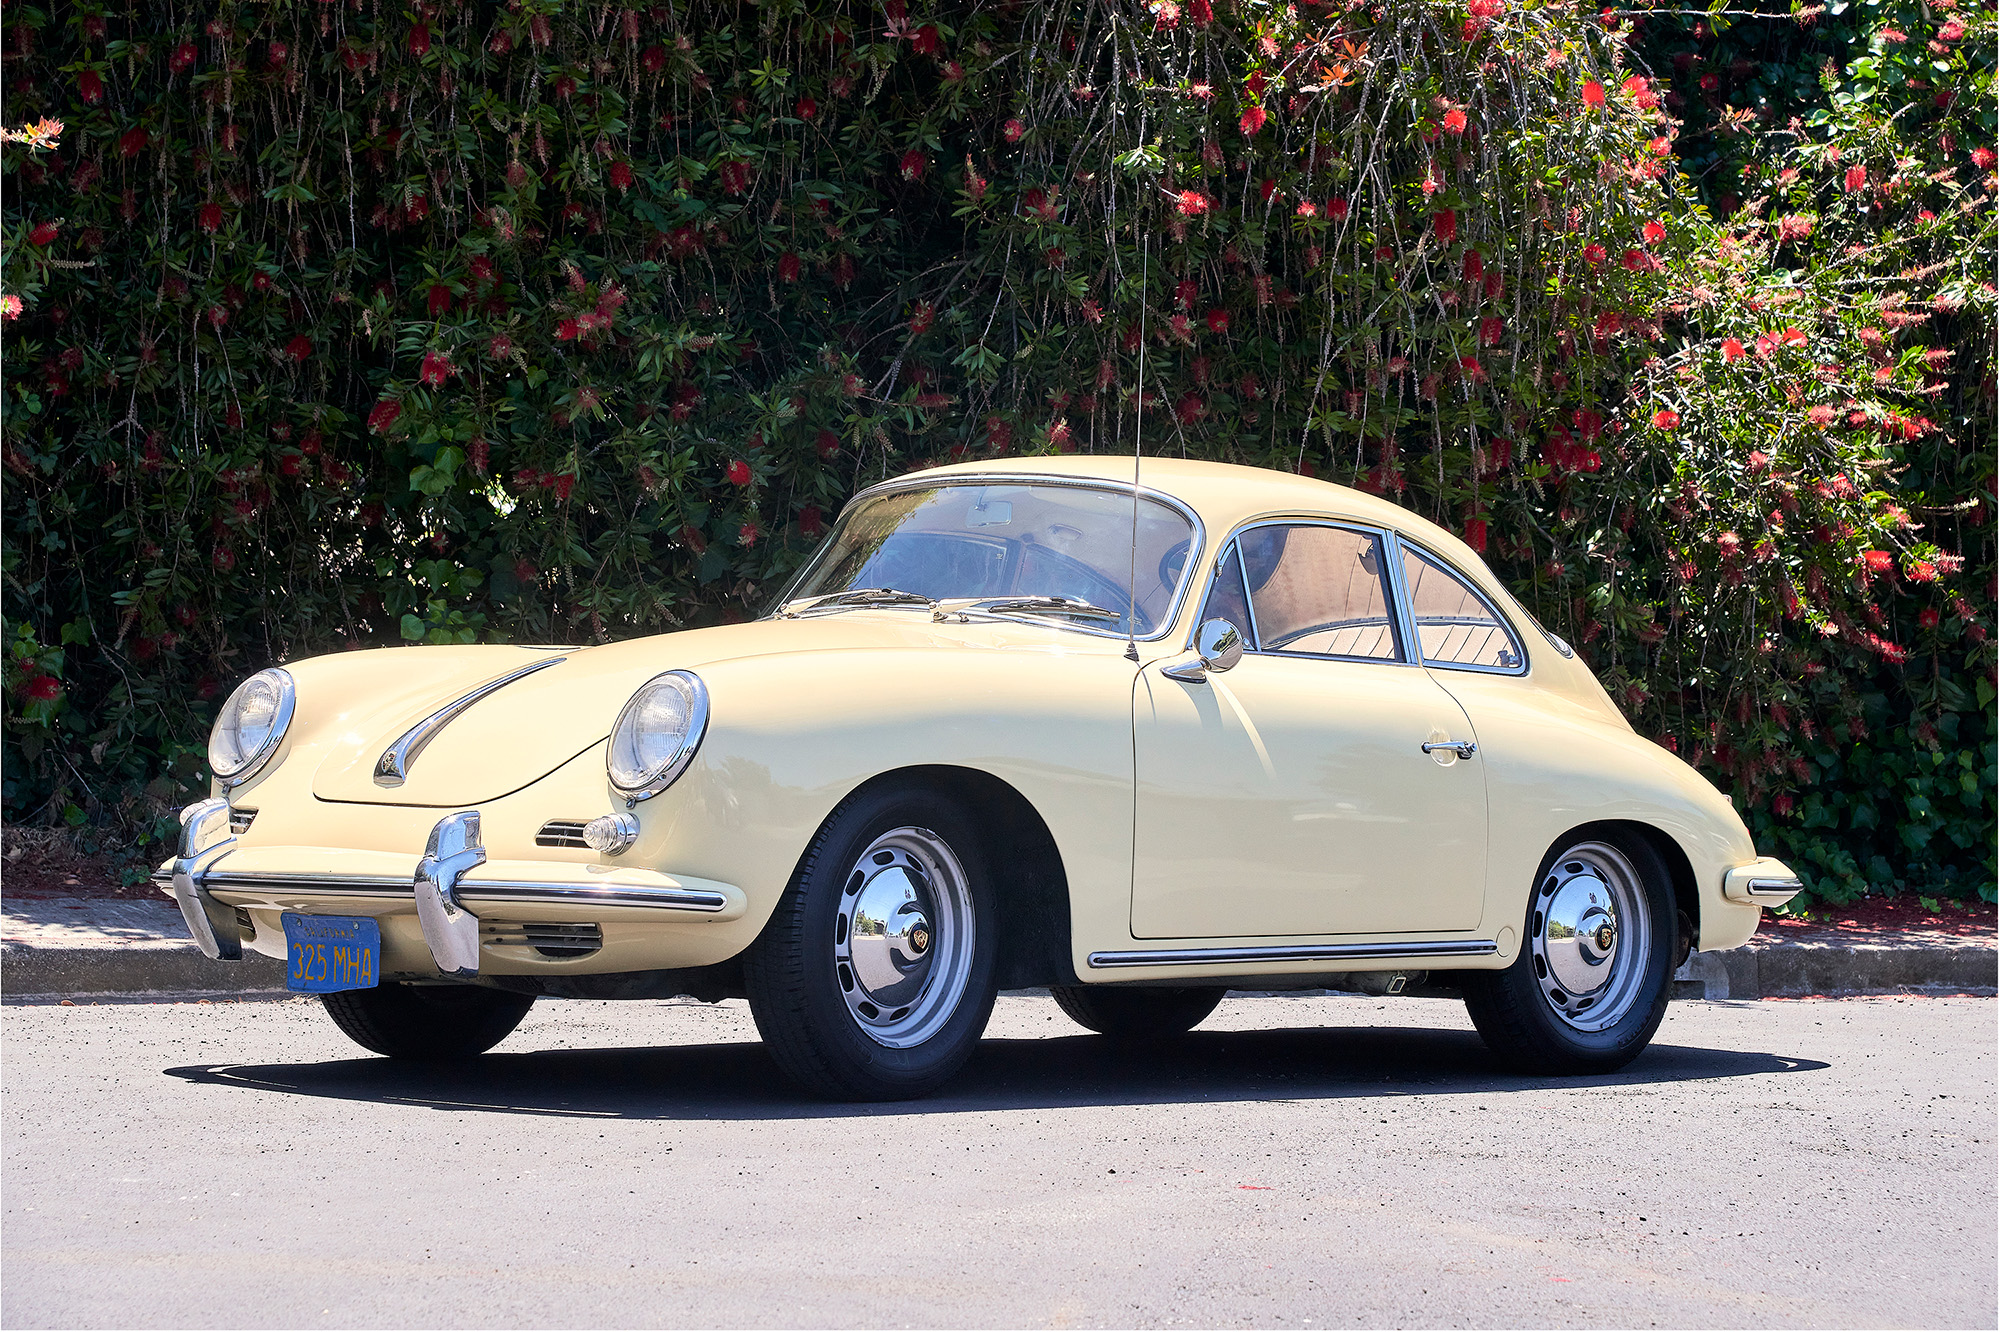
{"x": 1224, "y": 494}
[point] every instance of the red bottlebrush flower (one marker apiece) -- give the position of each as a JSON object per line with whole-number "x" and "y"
{"x": 1732, "y": 350}
{"x": 788, "y": 267}
{"x": 45, "y": 232}
{"x": 1252, "y": 120}
{"x": 1781, "y": 805}
{"x": 561, "y": 486}
{"x": 132, "y": 142}
{"x": 1793, "y": 337}
{"x": 1921, "y": 571}
{"x": 827, "y": 443}
{"x": 1445, "y": 223}
{"x": 911, "y": 167}
{"x": 1927, "y": 618}
{"x": 10, "y": 307}
{"x": 481, "y": 268}
{"x": 1336, "y": 210}
{"x": 210, "y": 217}
{"x": 811, "y": 521}
{"x": 739, "y": 473}
{"x": 41, "y": 688}
{"x": 1266, "y": 189}
{"x": 218, "y": 315}
{"x": 1666, "y": 419}
{"x": 735, "y": 177}
{"x": 621, "y": 176}
{"x": 480, "y": 454}
{"x": 1454, "y": 121}
{"x": 1952, "y": 31}
{"x": 921, "y": 316}
{"x": 1306, "y": 208}
{"x": 420, "y": 39}
{"x": 1218, "y": 321}
{"x": 1486, "y": 9}
{"x": 568, "y": 330}
{"x": 1857, "y": 178}
{"x": 500, "y": 347}
{"x": 1822, "y": 416}
{"x": 1192, "y": 203}
{"x": 436, "y": 369}
{"x": 1472, "y": 267}
{"x": 1093, "y": 313}
{"x": 926, "y": 41}
{"x": 1013, "y": 131}
{"x": 1654, "y": 233}
{"x": 1184, "y": 293}
{"x": 653, "y": 59}
{"x": 1983, "y": 158}
{"x": 1469, "y": 367}
{"x": 807, "y": 108}
{"x": 299, "y": 348}
{"x": 1637, "y": 261}
{"x": 1475, "y": 534}
{"x": 1256, "y": 81}
{"x": 182, "y": 60}
{"x": 1877, "y": 561}
{"x": 1593, "y": 94}
{"x": 1190, "y": 408}
{"x": 747, "y": 535}
{"x": 90, "y": 87}
{"x": 384, "y": 415}
{"x": 1059, "y": 435}
{"x": 438, "y": 300}
{"x": 1595, "y": 255}
{"x": 1794, "y": 227}
{"x": 1054, "y": 256}
{"x": 843, "y": 271}
{"x": 999, "y": 434}
{"x": 1491, "y": 330}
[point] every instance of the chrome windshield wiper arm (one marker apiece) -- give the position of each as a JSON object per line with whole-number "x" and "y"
{"x": 1075, "y": 606}
{"x": 859, "y": 596}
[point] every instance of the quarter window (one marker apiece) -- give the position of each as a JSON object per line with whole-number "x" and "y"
{"x": 1319, "y": 591}
{"x": 1454, "y": 623}
{"x": 1226, "y": 600}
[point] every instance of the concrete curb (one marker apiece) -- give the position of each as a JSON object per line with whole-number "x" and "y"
{"x": 1790, "y": 970}
{"x": 134, "y": 951}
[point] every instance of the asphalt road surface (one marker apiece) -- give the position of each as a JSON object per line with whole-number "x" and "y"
{"x": 1297, "y": 1161}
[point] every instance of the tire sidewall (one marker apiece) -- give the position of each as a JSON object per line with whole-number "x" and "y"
{"x": 914, "y": 1067}
{"x": 1619, "y": 1043}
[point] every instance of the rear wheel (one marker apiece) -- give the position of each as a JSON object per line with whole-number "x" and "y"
{"x": 874, "y": 978}
{"x": 1590, "y": 987}
{"x": 1137, "y": 1014}
{"x": 427, "y": 1021}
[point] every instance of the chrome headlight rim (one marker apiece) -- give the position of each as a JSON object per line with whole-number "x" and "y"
{"x": 260, "y": 758}
{"x": 668, "y": 772}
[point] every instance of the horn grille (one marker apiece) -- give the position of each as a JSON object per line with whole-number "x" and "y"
{"x": 548, "y": 939}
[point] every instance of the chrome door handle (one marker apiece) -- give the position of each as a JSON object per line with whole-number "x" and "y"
{"x": 1465, "y": 749}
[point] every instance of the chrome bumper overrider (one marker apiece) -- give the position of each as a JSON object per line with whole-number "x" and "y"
{"x": 1765, "y": 882}
{"x": 439, "y": 889}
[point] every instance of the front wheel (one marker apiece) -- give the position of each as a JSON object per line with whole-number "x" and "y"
{"x": 427, "y": 1021}
{"x": 1590, "y": 986}
{"x": 1137, "y": 1014}
{"x": 874, "y": 978}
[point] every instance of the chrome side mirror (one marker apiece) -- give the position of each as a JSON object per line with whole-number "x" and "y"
{"x": 1218, "y": 646}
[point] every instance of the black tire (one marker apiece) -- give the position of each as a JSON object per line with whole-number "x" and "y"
{"x": 1137, "y": 1015}
{"x": 1516, "y": 1010}
{"x": 432, "y": 1022}
{"x": 805, "y": 1000}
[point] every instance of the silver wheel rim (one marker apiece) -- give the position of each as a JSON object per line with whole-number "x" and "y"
{"x": 903, "y": 937}
{"x": 1590, "y": 936}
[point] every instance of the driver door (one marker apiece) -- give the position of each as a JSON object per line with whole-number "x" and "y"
{"x": 1292, "y": 795}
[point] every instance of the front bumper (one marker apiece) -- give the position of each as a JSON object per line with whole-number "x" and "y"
{"x": 451, "y": 911}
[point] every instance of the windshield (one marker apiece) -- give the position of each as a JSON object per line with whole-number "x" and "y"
{"x": 986, "y": 541}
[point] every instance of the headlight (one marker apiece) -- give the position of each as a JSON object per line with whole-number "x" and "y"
{"x": 657, "y": 734}
{"x": 250, "y": 726}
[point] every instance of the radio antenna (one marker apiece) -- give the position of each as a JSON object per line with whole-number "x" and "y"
{"x": 1138, "y": 445}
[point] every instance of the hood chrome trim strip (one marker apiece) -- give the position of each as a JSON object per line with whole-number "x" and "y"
{"x": 393, "y": 768}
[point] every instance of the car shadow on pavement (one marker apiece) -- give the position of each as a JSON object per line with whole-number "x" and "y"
{"x": 737, "y": 1080}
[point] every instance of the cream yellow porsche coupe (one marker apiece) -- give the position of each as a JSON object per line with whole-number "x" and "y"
{"x": 1015, "y": 724}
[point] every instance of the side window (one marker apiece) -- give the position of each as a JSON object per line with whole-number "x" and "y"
{"x": 1454, "y": 623}
{"x": 1319, "y": 590}
{"x": 1226, "y": 599}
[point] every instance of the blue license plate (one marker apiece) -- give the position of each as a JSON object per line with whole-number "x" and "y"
{"x": 331, "y": 953}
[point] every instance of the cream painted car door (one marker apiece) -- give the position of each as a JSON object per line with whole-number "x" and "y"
{"x": 1292, "y": 794}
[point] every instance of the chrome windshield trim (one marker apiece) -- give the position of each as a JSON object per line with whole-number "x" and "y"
{"x": 1197, "y": 542}
{"x": 393, "y": 768}
{"x": 1175, "y": 957}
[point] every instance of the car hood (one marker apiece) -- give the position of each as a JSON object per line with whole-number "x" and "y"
{"x": 362, "y": 703}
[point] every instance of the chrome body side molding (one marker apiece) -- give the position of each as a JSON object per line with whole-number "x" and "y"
{"x": 1182, "y": 957}
{"x": 393, "y": 768}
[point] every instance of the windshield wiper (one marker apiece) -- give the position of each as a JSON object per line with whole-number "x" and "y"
{"x": 1074, "y": 606}
{"x": 860, "y": 596}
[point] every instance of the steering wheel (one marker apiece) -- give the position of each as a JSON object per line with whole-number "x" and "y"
{"x": 1173, "y": 562}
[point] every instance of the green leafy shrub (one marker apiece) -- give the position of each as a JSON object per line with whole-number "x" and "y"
{"x": 558, "y": 321}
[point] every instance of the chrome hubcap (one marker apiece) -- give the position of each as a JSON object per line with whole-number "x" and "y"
{"x": 903, "y": 935}
{"x": 1590, "y": 936}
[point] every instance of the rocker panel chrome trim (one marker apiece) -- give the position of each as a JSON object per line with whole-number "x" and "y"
{"x": 1178, "y": 957}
